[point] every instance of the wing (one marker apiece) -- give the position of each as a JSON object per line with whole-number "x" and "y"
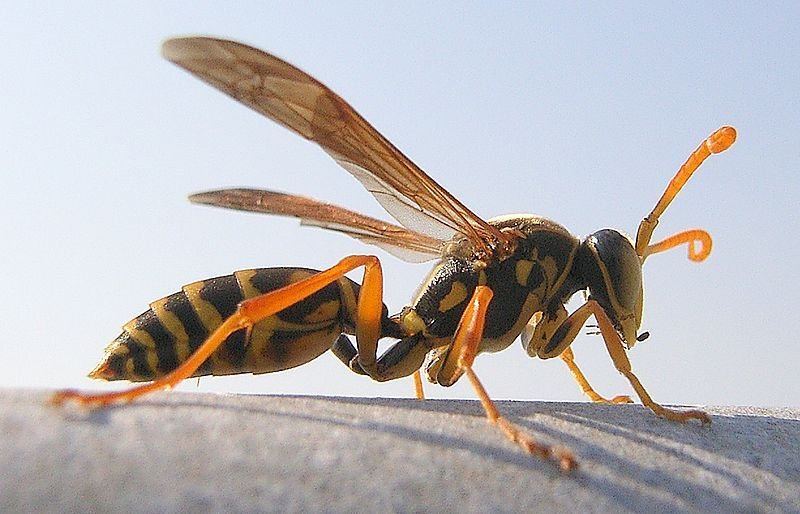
{"x": 300, "y": 103}
{"x": 400, "y": 242}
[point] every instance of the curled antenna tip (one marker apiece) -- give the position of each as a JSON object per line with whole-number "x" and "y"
{"x": 721, "y": 140}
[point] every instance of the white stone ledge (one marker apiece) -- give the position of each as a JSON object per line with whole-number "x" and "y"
{"x": 200, "y": 452}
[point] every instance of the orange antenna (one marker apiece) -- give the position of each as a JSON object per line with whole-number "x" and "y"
{"x": 717, "y": 142}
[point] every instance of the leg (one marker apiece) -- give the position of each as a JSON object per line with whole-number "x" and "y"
{"x": 418, "y": 390}
{"x": 249, "y": 312}
{"x": 395, "y": 363}
{"x": 465, "y": 346}
{"x": 544, "y": 337}
{"x": 569, "y": 359}
{"x": 616, "y": 350}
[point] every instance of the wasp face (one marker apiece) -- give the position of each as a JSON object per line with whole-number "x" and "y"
{"x": 613, "y": 273}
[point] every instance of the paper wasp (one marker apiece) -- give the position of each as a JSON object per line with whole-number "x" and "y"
{"x": 494, "y": 280}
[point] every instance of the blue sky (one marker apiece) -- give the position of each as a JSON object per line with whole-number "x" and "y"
{"x": 578, "y": 113}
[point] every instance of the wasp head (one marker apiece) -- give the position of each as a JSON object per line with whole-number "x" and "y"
{"x": 612, "y": 271}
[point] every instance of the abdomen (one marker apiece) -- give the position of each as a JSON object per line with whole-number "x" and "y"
{"x": 161, "y": 338}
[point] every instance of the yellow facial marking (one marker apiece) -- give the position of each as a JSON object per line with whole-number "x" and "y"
{"x": 457, "y": 294}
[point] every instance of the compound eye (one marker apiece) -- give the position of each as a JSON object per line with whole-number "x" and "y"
{"x": 613, "y": 272}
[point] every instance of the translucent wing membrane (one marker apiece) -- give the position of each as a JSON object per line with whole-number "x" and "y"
{"x": 400, "y": 242}
{"x": 300, "y": 103}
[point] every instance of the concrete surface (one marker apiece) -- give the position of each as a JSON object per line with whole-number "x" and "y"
{"x": 196, "y": 452}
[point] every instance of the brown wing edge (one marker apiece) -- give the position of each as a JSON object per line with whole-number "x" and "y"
{"x": 403, "y": 243}
{"x": 299, "y": 102}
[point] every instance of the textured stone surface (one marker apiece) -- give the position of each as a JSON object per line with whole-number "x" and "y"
{"x": 185, "y": 452}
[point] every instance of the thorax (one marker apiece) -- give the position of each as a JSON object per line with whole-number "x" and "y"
{"x": 522, "y": 283}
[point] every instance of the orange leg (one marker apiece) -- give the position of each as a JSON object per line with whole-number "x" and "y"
{"x": 250, "y": 312}
{"x": 418, "y": 390}
{"x": 569, "y": 359}
{"x": 616, "y": 350}
{"x": 465, "y": 346}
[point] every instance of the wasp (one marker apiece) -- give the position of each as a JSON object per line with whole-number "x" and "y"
{"x": 494, "y": 280}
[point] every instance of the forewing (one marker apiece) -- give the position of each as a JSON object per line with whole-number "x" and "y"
{"x": 402, "y": 243}
{"x": 300, "y": 103}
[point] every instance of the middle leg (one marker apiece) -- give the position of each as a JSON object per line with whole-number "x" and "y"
{"x": 465, "y": 346}
{"x": 569, "y": 359}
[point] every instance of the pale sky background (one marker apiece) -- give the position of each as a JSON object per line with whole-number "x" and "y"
{"x": 578, "y": 113}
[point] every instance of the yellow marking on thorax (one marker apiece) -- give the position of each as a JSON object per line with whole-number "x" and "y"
{"x": 554, "y": 275}
{"x": 457, "y": 294}
{"x": 551, "y": 270}
{"x": 503, "y": 341}
{"x": 523, "y": 271}
{"x": 412, "y": 322}
{"x": 174, "y": 326}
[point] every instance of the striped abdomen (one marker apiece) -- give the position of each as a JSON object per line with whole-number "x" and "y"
{"x": 158, "y": 340}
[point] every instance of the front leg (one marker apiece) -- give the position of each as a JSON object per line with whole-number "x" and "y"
{"x": 569, "y": 359}
{"x": 459, "y": 361}
{"x": 551, "y": 333}
{"x": 616, "y": 350}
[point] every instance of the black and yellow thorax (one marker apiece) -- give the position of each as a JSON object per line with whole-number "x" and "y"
{"x": 523, "y": 283}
